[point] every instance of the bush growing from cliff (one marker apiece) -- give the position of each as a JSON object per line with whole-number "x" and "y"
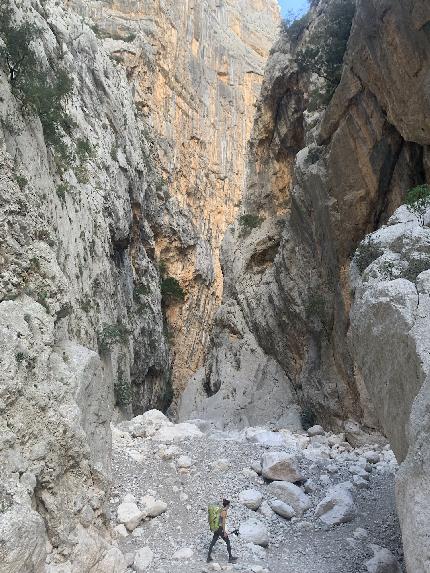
{"x": 248, "y": 223}
{"x": 415, "y": 268}
{"x": 367, "y": 252}
{"x": 41, "y": 92}
{"x": 418, "y": 201}
{"x": 122, "y": 390}
{"x": 111, "y": 335}
{"x": 325, "y": 49}
{"x": 171, "y": 289}
{"x": 293, "y": 27}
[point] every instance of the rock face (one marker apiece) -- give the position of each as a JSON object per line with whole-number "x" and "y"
{"x": 196, "y": 70}
{"x": 318, "y": 182}
{"x": 390, "y": 339}
{"x": 74, "y": 336}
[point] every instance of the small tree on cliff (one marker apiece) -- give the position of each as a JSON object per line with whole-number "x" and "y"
{"x": 325, "y": 49}
{"x": 418, "y": 201}
{"x": 41, "y": 92}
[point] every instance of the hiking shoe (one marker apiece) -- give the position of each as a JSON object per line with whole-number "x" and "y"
{"x": 209, "y": 559}
{"x": 232, "y": 559}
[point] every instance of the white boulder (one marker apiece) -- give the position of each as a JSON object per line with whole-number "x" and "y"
{"x": 337, "y": 506}
{"x": 291, "y": 495}
{"x": 372, "y": 457}
{"x": 146, "y": 425}
{"x": 265, "y": 437}
{"x": 184, "y": 553}
{"x": 282, "y": 509}
{"x": 143, "y": 560}
{"x": 280, "y": 466}
{"x": 316, "y": 431}
{"x": 130, "y": 515}
{"x": 251, "y": 498}
{"x": 184, "y": 462}
{"x": 177, "y": 432}
{"x": 153, "y": 507}
{"x": 255, "y": 532}
{"x": 383, "y": 561}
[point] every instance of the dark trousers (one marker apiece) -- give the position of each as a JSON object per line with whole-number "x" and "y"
{"x": 219, "y": 533}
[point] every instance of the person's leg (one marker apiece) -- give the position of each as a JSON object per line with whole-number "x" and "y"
{"x": 227, "y": 541}
{"x": 230, "y": 556}
{"x": 211, "y": 546}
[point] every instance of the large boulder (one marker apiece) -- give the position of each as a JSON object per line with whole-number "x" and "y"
{"x": 383, "y": 561}
{"x": 145, "y": 425}
{"x": 265, "y": 437}
{"x": 254, "y": 531}
{"x": 153, "y": 507}
{"x": 177, "y": 432}
{"x": 282, "y": 509}
{"x": 23, "y": 539}
{"x": 251, "y": 498}
{"x": 291, "y": 495}
{"x": 130, "y": 515}
{"x": 337, "y": 506}
{"x": 143, "y": 560}
{"x": 280, "y": 466}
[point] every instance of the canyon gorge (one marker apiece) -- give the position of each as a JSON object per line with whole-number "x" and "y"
{"x": 196, "y": 219}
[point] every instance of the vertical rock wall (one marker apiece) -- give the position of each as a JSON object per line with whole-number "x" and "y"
{"x": 196, "y": 70}
{"x": 317, "y": 183}
{"x": 80, "y": 304}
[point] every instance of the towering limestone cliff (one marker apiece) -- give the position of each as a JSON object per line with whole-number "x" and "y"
{"x": 318, "y": 181}
{"x": 196, "y": 70}
{"x": 323, "y": 173}
{"x": 122, "y": 131}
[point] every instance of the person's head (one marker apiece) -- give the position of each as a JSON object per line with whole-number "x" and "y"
{"x": 226, "y": 503}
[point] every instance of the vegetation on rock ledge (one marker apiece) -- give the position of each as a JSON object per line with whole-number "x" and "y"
{"x": 325, "y": 49}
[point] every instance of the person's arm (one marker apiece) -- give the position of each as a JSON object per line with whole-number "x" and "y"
{"x": 223, "y": 520}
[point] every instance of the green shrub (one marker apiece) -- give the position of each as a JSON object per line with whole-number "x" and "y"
{"x": 103, "y": 34}
{"x": 20, "y": 357}
{"x": 325, "y": 49}
{"x": 42, "y": 298}
{"x": 122, "y": 390}
{"x": 141, "y": 290}
{"x": 171, "y": 289}
{"x": 111, "y": 335}
{"x": 61, "y": 190}
{"x": 84, "y": 150}
{"x": 248, "y": 223}
{"x": 41, "y": 92}
{"x": 34, "y": 264}
{"x": 86, "y": 304}
{"x": 22, "y": 181}
{"x": 366, "y": 253}
{"x": 162, "y": 268}
{"x": 82, "y": 174}
{"x": 418, "y": 201}
{"x": 293, "y": 27}
{"x": 114, "y": 151}
{"x": 415, "y": 268}
{"x": 308, "y": 418}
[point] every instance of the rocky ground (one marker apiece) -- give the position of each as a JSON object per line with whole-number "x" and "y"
{"x": 165, "y": 476}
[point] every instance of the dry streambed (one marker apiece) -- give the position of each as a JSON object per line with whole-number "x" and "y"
{"x": 303, "y": 503}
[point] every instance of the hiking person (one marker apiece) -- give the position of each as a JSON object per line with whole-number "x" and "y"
{"x": 217, "y": 522}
